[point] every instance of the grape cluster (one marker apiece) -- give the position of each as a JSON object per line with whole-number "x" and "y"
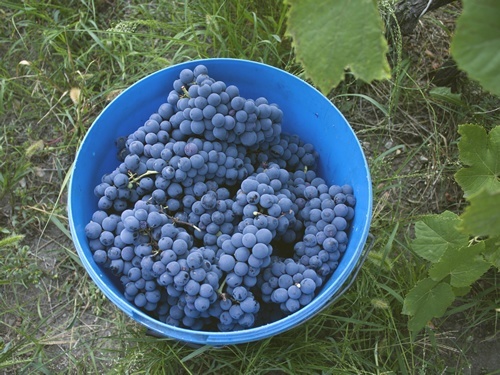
{"x": 214, "y": 219}
{"x": 290, "y": 153}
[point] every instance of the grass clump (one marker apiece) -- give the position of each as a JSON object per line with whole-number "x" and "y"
{"x": 61, "y": 65}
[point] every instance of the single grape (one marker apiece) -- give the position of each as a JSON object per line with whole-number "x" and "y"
{"x": 279, "y": 295}
{"x": 227, "y": 262}
{"x": 307, "y": 286}
{"x": 93, "y": 230}
{"x": 100, "y": 256}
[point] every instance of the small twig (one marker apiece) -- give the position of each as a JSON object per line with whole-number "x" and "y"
{"x": 425, "y": 9}
{"x": 52, "y": 108}
{"x": 134, "y": 179}
{"x": 178, "y": 221}
{"x": 257, "y": 213}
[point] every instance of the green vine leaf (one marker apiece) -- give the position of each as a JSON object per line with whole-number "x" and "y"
{"x": 476, "y": 42}
{"x": 428, "y": 299}
{"x": 481, "y": 153}
{"x": 330, "y": 36}
{"x": 492, "y": 251}
{"x": 482, "y": 216}
{"x": 435, "y": 234}
{"x": 462, "y": 291}
{"x": 464, "y": 265}
{"x": 445, "y": 95}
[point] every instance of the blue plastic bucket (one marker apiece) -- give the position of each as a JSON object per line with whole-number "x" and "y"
{"x": 307, "y": 113}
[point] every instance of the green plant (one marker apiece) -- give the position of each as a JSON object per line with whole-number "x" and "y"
{"x": 460, "y": 248}
{"x": 445, "y": 239}
{"x": 349, "y": 35}
{"x": 336, "y": 36}
{"x": 17, "y": 264}
{"x": 14, "y": 166}
{"x": 476, "y": 41}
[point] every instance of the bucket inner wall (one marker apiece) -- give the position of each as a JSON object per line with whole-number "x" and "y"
{"x": 306, "y": 112}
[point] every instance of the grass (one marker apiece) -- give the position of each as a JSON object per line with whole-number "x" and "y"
{"x": 64, "y": 61}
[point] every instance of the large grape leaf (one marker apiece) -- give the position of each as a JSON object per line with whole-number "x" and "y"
{"x": 428, "y": 299}
{"x": 481, "y": 153}
{"x": 464, "y": 265}
{"x": 435, "y": 234}
{"x": 476, "y": 43}
{"x": 482, "y": 216}
{"x": 330, "y": 36}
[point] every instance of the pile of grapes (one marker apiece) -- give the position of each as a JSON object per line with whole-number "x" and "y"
{"x": 215, "y": 219}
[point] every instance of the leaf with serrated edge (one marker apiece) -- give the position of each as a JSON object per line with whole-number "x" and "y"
{"x": 428, "y": 299}
{"x": 330, "y": 36}
{"x": 482, "y": 216}
{"x": 480, "y": 152}
{"x": 465, "y": 265}
{"x": 476, "y": 43}
{"x": 434, "y": 234}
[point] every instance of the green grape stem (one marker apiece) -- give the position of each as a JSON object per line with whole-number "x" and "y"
{"x": 134, "y": 179}
{"x": 185, "y": 91}
{"x": 220, "y": 292}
